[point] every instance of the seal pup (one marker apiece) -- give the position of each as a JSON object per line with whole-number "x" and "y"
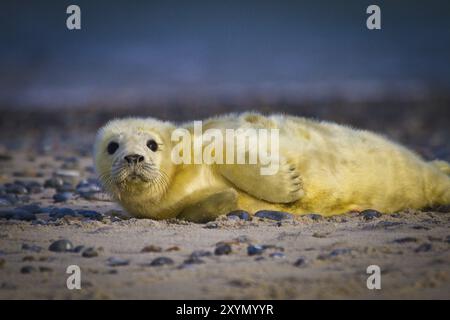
{"x": 324, "y": 168}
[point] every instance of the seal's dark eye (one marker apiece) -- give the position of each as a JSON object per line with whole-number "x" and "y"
{"x": 152, "y": 145}
{"x": 112, "y": 147}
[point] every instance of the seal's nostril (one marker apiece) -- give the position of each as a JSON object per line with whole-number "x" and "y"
{"x": 134, "y": 158}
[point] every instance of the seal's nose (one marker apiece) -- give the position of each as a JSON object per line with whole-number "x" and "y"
{"x": 134, "y": 158}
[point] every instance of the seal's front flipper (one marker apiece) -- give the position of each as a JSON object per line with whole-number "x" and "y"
{"x": 284, "y": 186}
{"x": 210, "y": 207}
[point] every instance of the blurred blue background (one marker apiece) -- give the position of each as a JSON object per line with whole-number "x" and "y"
{"x": 137, "y": 52}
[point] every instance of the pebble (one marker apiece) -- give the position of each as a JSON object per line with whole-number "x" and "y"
{"x": 27, "y": 269}
{"x": 161, "y": 261}
{"x": 91, "y": 214}
{"x": 277, "y": 255}
{"x": 151, "y": 248}
{"x": 95, "y": 196}
{"x": 314, "y": 216}
{"x": 334, "y": 253}
{"x": 17, "y": 214}
{"x": 61, "y": 246}
{"x": 31, "y": 247}
{"x": 31, "y": 208}
{"x": 200, "y": 253}
{"x": 274, "y": 215}
{"x": 222, "y": 249}
{"x": 117, "y": 262}
{"x": 424, "y": 247}
{"x": 405, "y": 240}
{"x": 211, "y": 225}
{"x": 5, "y": 202}
{"x": 54, "y": 183}
{"x": 370, "y": 214}
{"x": 57, "y": 213}
{"x": 15, "y": 188}
{"x": 66, "y": 187}
{"x": 63, "y": 197}
{"x": 254, "y": 250}
{"x": 301, "y": 262}
{"x": 193, "y": 260}
{"x": 89, "y": 253}
{"x": 241, "y": 214}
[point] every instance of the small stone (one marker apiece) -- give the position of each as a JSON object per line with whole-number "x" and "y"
{"x": 19, "y": 214}
{"x": 151, "y": 248}
{"x": 193, "y": 260}
{"x": 95, "y": 196}
{"x": 61, "y": 246}
{"x": 277, "y": 255}
{"x": 117, "y": 262}
{"x": 2, "y": 263}
{"x": 200, "y": 253}
{"x": 31, "y": 247}
{"x": 57, "y": 213}
{"x": 222, "y": 249}
{"x": 66, "y": 187}
{"x": 301, "y": 262}
{"x": 370, "y": 214}
{"x": 4, "y": 202}
{"x": 174, "y": 248}
{"x": 211, "y": 225}
{"x": 241, "y": 214}
{"x": 54, "y": 183}
{"x": 90, "y": 214}
{"x": 334, "y": 253}
{"x": 314, "y": 216}
{"x": 405, "y": 240}
{"x": 63, "y": 197}
{"x": 72, "y": 174}
{"x": 89, "y": 253}
{"x": 28, "y": 258}
{"x": 254, "y": 250}
{"x": 32, "y": 208}
{"x": 424, "y": 247}
{"x": 161, "y": 261}
{"x": 27, "y": 269}
{"x": 274, "y": 215}
{"x": 15, "y": 188}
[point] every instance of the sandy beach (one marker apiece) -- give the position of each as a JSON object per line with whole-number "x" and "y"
{"x": 49, "y": 192}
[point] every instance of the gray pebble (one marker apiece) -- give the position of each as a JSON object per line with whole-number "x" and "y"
{"x": 424, "y": 247}
{"x": 15, "y": 188}
{"x": 16, "y": 214}
{"x": 200, "y": 253}
{"x": 277, "y": 255}
{"x": 240, "y": 214}
{"x": 27, "y": 269}
{"x": 274, "y": 215}
{"x": 314, "y": 216}
{"x": 57, "y": 213}
{"x": 301, "y": 262}
{"x": 31, "y": 247}
{"x": 89, "y": 253}
{"x": 53, "y": 183}
{"x": 161, "y": 261}
{"x": 370, "y": 214}
{"x": 334, "y": 253}
{"x": 405, "y": 240}
{"x": 117, "y": 262}
{"x": 61, "y": 246}
{"x": 91, "y": 214}
{"x": 32, "y": 208}
{"x": 254, "y": 250}
{"x": 63, "y": 197}
{"x": 222, "y": 249}
{"x": 193, "y": 260}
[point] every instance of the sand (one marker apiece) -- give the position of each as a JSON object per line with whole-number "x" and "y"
{"x": 308, "y": 257}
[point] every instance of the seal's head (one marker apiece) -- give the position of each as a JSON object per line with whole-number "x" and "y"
{"x": 132, "y": 156}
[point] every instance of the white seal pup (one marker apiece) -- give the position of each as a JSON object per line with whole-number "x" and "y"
{"x": 323, "y": 167}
